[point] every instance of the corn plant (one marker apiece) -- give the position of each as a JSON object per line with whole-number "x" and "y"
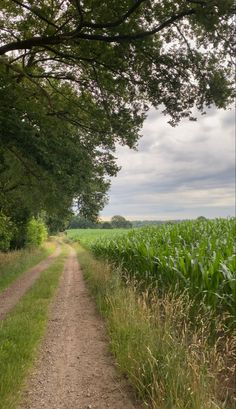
{"x": 197, "y": 256}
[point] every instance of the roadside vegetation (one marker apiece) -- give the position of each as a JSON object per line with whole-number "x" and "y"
{"x": 177, "y": 347}
{"x": 14, "y": 263}
{"x": 29, "y": 233}
{"x": 21, "y": 332}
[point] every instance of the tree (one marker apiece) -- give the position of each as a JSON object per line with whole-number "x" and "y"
{"x": 119, "y": 222}
{"x": 106, "y": 225}
{"x": 201, "y": 218}
{"x": 77, "y": 77}
{"x": 176, "y": 53}
{"x": 80, "y": 222}
{"x": 43, "y": 163}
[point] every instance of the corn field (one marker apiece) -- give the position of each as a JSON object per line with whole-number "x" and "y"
{"x": 196, "y": 256}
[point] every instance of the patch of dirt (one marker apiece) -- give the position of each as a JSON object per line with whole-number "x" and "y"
{"x": 12, "y": 294}
{"x": 75, "y": 369}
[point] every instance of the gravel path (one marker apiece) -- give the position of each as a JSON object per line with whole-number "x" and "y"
{"x": 11, "y": 295}
{"x": 75, "y": 369}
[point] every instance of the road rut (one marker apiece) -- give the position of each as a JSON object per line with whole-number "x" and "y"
{"x": 11, "y": 295}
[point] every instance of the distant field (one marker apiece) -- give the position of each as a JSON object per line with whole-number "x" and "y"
{"x": 87, "y": 237}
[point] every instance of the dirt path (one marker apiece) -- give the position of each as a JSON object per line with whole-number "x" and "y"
{"x": 11, "y": 295}
{"x": 75, "y": 369}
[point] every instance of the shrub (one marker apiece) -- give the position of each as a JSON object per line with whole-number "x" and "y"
{"x": 36, "y": 232}
{"x": 7, "y": 229}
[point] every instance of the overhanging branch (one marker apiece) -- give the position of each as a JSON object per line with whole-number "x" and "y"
{"x": 71, "y": 37}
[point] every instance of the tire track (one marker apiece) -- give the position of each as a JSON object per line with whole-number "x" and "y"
{"x": 12, "y": 294}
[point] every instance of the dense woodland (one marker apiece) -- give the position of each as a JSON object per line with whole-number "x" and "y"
{"x": 78, "y": 77}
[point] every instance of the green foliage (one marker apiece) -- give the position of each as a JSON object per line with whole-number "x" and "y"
{"x": 106, "y": 225}
{"x": 202, "y": 218}
{"x": 119, "y": 222}
{"x": 197, "y": 256}
{"x": 7, "y": 230}
{"x": 56, "y": 224}
{"x": 80, "y": 222}
{"x": 175, "y": 55}
{"x": 44, "y": 164}
{"x": 36, "y": 232}
{"x": 142, "y": 223}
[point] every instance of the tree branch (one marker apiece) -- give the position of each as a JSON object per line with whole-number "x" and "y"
{"x": 74, "y": 35}
{"x": 117, "y": 22}
{"x": 200, "y": 2}
{"x": 35, "y": 12}
{"x": 80, "y": 11}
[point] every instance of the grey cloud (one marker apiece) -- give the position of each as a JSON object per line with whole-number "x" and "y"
{"x": 188, "y": 170}
{"x": 229, "y": 119}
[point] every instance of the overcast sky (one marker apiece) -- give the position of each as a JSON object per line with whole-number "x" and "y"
{"x": 182, "y": 172}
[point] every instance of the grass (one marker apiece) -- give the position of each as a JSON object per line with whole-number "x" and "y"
{"x": 170, "y": 362}
{"x": 14, "y": 263}
{"x": 21, "y": 332}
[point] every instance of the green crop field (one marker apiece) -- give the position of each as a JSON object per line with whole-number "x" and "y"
{"x": 195, "y": 255}
{"x": 87, "y": 237}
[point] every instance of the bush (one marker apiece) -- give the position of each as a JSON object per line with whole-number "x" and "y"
{"x": 36, "y": 232}
{"x": 7, "y": 230}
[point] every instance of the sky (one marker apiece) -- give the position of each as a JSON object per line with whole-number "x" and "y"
{"x": 177, "y": 173}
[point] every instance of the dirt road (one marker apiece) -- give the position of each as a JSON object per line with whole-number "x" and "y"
{"x": 75, "y": 369}
{"x": 11, "y": 295}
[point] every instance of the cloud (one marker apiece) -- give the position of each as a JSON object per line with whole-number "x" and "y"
{"x": 177, "y": 172}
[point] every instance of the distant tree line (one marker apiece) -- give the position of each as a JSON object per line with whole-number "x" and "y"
{"x": 117, "y": 222}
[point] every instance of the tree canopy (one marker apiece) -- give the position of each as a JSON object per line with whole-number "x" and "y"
{"x": 77, "y": 77}
{"x": 119, "y": 222}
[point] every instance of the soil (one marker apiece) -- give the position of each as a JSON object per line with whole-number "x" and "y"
{"x": 11, "y": 295}
{"x": 75, "y": 369}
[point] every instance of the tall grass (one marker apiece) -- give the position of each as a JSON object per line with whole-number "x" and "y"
{"x": 14, "y": 263}
{"x": 172, "y": 363}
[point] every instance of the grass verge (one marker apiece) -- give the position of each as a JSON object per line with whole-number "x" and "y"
{"x": 14, "y": 263}
{"x": 21, "y": 332}
{"x": 171, "y": 362}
